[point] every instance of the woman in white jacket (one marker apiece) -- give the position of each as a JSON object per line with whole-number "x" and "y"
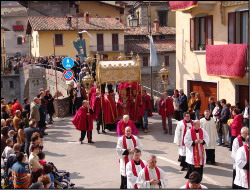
{"x": 242, "y": 166}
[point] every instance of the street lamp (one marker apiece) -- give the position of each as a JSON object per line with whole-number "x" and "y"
{"x": 133, "y": 21}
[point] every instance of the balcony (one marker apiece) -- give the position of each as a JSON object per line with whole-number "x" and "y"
{"x": 3, "y": 50}
{"x": 18, "y": 28}
{"x": 110, "y": 48}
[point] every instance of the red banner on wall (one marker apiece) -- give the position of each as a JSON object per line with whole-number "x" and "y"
{"x": 182, "y": 5}
{"x": 226, "y": 60}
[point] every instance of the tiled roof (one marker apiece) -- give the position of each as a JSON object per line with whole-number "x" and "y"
{"x": 143, "y": 46}
{"x": 22, "y": 13}
{"x": 143, "y": 30}
{"x": 59, "y": 23}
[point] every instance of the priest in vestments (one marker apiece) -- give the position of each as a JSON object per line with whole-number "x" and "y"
{"x": 151, "y": 176}
{"x": 98, "y": 107}
{"x": 83, "y": 121}
{"x": 91, "y": 96}
{"x": 166, "y": 111}
{"x": 125, "y": 122}
{"x": 133, "y": 168}
{"x": 181, "y": 129}
{"x": 194, "y": 182}
{"x": 125, "y": 150}
{"x": 238, "y": 142}
{"x": 208, "y": 123}
{"x": 110, "y": 113}
{"x": 242, "y": 166}
{"x": 194, "y": 140}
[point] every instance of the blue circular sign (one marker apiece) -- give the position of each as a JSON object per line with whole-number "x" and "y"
{"x": 68, "y": 74}
{"x": 68, "y": 62}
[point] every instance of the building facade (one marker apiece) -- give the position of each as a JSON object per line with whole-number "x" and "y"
{"x": 211, "y": 23}
{"x": 3, "y": 48}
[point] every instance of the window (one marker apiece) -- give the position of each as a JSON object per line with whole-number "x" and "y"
{"x": 19, "y": 40}
{"x": 238, "y": 27}
{"x": 162, "y": 15}
{"x": 58, "y": 40}
{"x": 145, "y": 61}
{"x": 115, "y": 43}
{"x": 100, "y": 46}
{"x": 166, "y": 61}
{"x": 201, "y": 32}
{"x": 11, "y": 84}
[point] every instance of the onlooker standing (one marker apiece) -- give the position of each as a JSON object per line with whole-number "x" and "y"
{"x": 33, "y": 158}
{"x": 146, "y": 110}
{"x": 4, "y": 114}
{"x": 225, "y": 114}
{"x": 16, "y": 106}
{"x": 20, "y": 136}
{"x": 70, "y": 93}
{"x": 34, "y": 110}
{"x": 211, "y": 105}
{"x": 197, "y": 106}
{"x": 43, "y": 104}
{"x": 82, "y": 74}
{"x": 17, "y": 119}
{"x": 50, "y": 106}
{"x": 216, "y": 115}
{"x": 236, "y": 125}
{"x": 8, "y": 149}
{"x": 41, "y": 123}
{"x": 246, "y": 113}
{"x": 4, "y": 137}
{"x": 176, "y": 105}
{"x": 183, "y": 105}
{"x": 26, "y": 105}
{"x": 80, "y": 95}
{"x": 191, "y": 104}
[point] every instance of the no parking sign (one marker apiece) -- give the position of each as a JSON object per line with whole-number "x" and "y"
{"x": 68, "y": 74}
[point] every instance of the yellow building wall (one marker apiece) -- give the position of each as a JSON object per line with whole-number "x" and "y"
{"x": 46, "y": 47}
{"x": 94, "y": 8}
{"x": 192, "y": 66}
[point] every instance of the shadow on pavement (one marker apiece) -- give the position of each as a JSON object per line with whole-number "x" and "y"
{"x": 104, "y": 144}
{"x": 75, "y": 175}
{"x": 54, "y": 154}
{"x": 170, "y": 169}
{"x": 216, "y": 172}
{"x": 154, "y": 151}
{"x": 211, "y": 186}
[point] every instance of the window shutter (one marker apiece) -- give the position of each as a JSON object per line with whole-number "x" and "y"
{"x": 145, "y": 61}
{"x": 209, "y": 30}
{"x": 232, "y": 28}
{"x": 192, "y": 34}
{"x": 58, "y": 39}
{"x": 166, "y": 61}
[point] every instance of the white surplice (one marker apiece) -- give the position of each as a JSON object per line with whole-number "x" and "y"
{"x": 143, "y": 184}
{"x": 179, "y": 134}
{"x": 235, "y": 147}
{"x": 189, "y": 148}
{"x": 241, "y": 174}
{"x": 120, "y": 150}
{"x": 131, "y": 178}
{"x": 210, "y": 128}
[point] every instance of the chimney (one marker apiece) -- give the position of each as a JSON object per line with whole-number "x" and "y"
{"x": 156, "y": 26}
{"x": 69, "y": 20}
{"x": 87, "y": 17}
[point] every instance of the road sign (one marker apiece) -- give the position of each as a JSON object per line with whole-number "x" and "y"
{"x": 68, "y": 62}
{"x": 68, "y": 74}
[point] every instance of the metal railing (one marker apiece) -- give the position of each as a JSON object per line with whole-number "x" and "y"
{"x": 109, "y": 48}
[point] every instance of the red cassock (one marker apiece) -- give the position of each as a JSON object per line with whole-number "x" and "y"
{"x": 92, "y": 95}
{"x": 82, "y": 121}
{"x": 168, "y": 105}
{"x": 97, "y": 105}
{"x": 120, "y": 129}
{"x": 146, "y": 106}
{"x": 110, "y": 112}
{"x": 134, "y": 112}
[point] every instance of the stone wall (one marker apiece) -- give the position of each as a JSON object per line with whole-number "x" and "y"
{"x": 61, "y": 106}
{"x": 7, "y": 92}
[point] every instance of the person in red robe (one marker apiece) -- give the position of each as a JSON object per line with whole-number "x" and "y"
{"x": 120, "y": 130}
{"x": 135, "y": 101}
{"x": 111, "y": 113}
{"x": 83, "y": 121}
{"x": 166, "y": 110}
{"x": 124, "y": 98}
{"x": 145, "y": 109}
{"x": 98, "y": 106}
{"x": 91, "y": 96}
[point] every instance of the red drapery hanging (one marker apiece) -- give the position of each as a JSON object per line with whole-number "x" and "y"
{"x": 226, "y": 60}
{"x": 182, "y": 5}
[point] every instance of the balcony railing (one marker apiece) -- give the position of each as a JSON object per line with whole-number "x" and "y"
{"x": 110, "y": 48}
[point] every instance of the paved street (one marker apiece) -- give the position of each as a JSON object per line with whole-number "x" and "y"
{"x": 97, "y": 166}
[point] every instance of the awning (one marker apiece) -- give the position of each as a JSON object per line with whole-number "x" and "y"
{"x": 182, "y": 5}
{"x": 226, "y": 60}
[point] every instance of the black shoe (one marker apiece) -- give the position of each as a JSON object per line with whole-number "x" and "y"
{"x": 91, "y": 142}
{"x": 209, "y": 163}
{"x": 98, "y": 131}
{"x": 165, "y": 132}
{"x": 183, "y": 169}
{"x": 225, "y": 145}
{"x": 80, "y": 142}
{"x": 215, "y": 164}
{"x": 103, "y": 131}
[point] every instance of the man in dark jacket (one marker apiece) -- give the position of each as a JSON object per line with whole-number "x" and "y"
{"x": 183, "y": 104}
{"x": 225, "y": 114}
{"x": 211, "y": 105}
{"x": 28, "y": 133}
